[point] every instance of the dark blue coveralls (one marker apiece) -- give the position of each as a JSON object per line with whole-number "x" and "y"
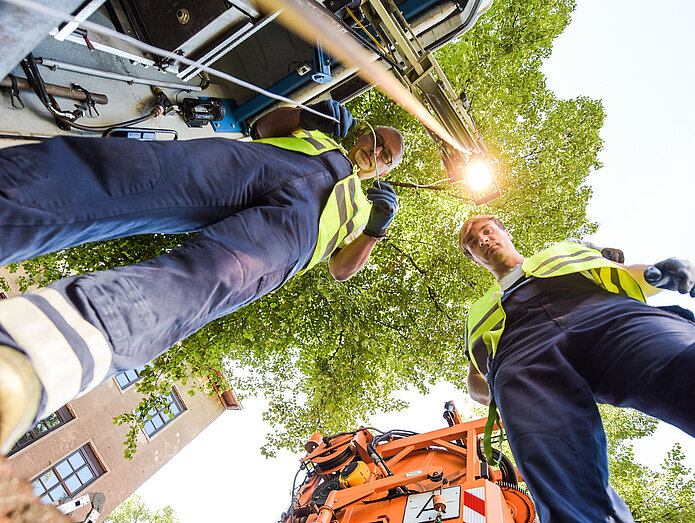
{"x": 257, "y": 207}
{"x": 567, "y": 344}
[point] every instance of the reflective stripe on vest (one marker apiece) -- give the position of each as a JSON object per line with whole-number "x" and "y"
{"x": 307, "y": 142}
{"x": 346, "y": 208}
{"x": 486, "y": 317}
{"x": 484, "y": 325}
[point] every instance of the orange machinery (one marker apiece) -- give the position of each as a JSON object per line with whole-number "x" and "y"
{"x": 368, "y": 476}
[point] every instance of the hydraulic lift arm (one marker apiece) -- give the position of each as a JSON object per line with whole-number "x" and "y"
{"x": 423, "y": 75}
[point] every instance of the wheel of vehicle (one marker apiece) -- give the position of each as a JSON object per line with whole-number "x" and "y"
{"x": 519, "y": 503}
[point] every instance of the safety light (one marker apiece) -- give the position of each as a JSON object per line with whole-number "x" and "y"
{"x": 475, "y": 174}
{"x": 478, "y": 175}
{"x": 481, "y": 181}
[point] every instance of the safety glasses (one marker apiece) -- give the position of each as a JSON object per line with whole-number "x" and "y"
{"x": 385, "y": 154}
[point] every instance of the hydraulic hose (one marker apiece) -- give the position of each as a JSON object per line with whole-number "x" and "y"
{"x": 98, "y": 128}
{"x": 36, "y": 82}
{"x": 68, "y": 118}
{"x": 504, "y": 464}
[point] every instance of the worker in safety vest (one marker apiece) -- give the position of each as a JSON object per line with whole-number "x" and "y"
{"x": 560, "y": 331}
{"x": 266, "y": 210}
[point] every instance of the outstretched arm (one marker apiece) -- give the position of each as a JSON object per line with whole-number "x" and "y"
{"x": 637, "y": 272}
{"x": 477, "y": 385}
{"x": 283, "y": 121}
{"x": 346, "y": 262}
{"x": 672, "y": 274}
{"x": 351, "y": 258}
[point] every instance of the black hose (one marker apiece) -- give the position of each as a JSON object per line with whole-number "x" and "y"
{"x": 36, "y": 81}
{"x": 97, "y": 128}
{"x": 504, "y": 464}
{"x": 294, "y": 482}
{"x": 37, "y": 87}
{"x": 376, "y": 457}
{"x": 371, "y": 446}
{"x": 506, "y": 468}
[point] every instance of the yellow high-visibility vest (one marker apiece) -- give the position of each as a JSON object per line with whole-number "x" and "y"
{"x": 346, "y": 208}
{"x": 486, "y": 317}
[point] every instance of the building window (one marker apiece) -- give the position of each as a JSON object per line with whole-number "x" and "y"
{"x": 157, "y": 418}
{"x": 69, "y": 476}
{"x": 129, "y": 377}
{"x": 43, "y": 427}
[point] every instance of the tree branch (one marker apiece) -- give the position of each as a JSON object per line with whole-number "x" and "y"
{"x": 433, "y": 297}
{"x": 430, "y": 290}
{"x": 408, "y": 256}
{"x": 399, "y": 331}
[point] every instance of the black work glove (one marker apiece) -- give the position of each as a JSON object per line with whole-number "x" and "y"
{"x": 311, "y": 121}
{"x": 672, "y": 274}
{"x": 609, "y": 253}
{"x": 384, "y": 208}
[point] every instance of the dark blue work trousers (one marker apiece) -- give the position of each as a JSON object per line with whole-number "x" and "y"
{"x": 256, "y": 206}
{"x": 568, "y": 344}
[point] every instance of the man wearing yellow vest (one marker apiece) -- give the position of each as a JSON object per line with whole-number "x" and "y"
{"x": 266, "y": 210}
{"x": 559, "y": 332}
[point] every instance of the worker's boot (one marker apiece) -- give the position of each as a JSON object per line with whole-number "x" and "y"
{"x": 20, "y": 395}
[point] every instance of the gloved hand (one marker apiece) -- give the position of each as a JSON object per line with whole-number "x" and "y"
{"x": 609, "y": 253}
{"x": 672, "y": 274}
{"x": 384, "y": 208}
{"x": 311, "y": 121}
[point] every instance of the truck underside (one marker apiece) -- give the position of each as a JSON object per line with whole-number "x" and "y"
{"x": 104, "y": 81}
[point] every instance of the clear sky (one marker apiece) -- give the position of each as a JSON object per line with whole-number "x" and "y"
{"x": 637, "y": 57}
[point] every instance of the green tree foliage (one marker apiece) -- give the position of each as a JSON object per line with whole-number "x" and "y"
{"x": 543, "y": 147}
{"x": 399, "y": 322}
{"x": 133, "y": 510}
{"x": 328, "y": 354}
{"x": 665, "y": 496}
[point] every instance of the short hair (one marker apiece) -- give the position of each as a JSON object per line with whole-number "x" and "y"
{"x": 467, "y": 227}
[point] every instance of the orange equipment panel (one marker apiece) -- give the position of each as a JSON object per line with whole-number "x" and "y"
{"x": 403, "y": 477}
